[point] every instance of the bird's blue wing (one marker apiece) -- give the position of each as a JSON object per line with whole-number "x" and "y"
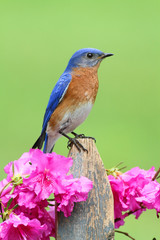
{"x": 56, "y": 96}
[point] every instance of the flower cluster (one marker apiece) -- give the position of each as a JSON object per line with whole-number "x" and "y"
{"x": 24, "y": 195}
{"x": 134, "y": 191}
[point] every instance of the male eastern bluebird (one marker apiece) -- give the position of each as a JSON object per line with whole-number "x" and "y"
{"x": 71, "y": 99}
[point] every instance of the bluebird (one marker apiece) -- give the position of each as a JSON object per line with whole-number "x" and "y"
{"x": 71, "y": 99}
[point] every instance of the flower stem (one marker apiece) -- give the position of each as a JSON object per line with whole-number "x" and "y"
{"x": 156, "y": 174}
{"x": 5, "y": 187}
{"x": 125, "y": 233}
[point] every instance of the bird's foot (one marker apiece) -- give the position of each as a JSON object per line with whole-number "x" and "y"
{"x": 82, "y": 136}
{"x": 78, "y": 145}
{"x": 74, "y": 141}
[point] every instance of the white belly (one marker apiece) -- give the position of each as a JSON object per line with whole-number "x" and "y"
{"x": 69, "y": 122}
{"x": 75, "y": 118}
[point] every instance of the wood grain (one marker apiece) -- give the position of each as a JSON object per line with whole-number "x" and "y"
{"x": 93, "y": 219}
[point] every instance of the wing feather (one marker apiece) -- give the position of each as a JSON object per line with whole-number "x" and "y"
{"x": 56, "y": 97}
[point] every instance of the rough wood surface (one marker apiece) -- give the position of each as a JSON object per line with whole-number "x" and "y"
{"x": 93, "y": 219}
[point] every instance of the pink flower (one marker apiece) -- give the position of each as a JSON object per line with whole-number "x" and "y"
{"x": 41, "y": 175}
{"x": 49, "y": 219}
{"x": 30, "y": 181}
{"x": 21, "y": 167}
{"x": 54, "y": 162}
{"x": 5, "y": 195}
{"x": 44, "y": 217}
{"x": 151, "y": 196}
{"x": 118, "y": 194}
{"x": 19, "y": 227}
{"x": 75, "y": 190}
{"x": 132, "y": 190}
{"x": 50, "y": 168}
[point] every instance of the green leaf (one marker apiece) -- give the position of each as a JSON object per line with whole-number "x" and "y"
{"x": 13, "y": 168}
{"x": 50, "y": 199}
{"x": 12, "y": 190}
{"x": 15, "y": 206}
{"x": 9, "y": 203}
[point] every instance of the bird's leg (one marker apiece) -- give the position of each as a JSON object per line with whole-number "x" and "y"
{"x": 74, "y": 141}
{"x": 82, "y": 136}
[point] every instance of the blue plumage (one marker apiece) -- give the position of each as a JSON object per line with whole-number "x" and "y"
{"x": 56, "y": 96}
{"x": 80, "y": 59}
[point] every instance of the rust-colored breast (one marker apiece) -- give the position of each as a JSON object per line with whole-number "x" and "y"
{"x": 84, "y": 84}
{"x": 82, "y": 88}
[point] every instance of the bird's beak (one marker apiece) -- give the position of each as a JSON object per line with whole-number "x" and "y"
{"x": 106, "y": 55}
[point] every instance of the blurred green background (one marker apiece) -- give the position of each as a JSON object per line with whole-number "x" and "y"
{"x": 37, "y": 38}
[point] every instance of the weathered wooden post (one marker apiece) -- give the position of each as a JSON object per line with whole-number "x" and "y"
{"x": 93, "y": 219}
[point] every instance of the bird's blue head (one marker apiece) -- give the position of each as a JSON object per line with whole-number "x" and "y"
{"x": 86, "y": 57}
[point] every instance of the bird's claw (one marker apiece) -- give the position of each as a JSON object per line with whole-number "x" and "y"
{"x": 78, "y": 145}
{"x": 83, "y": 136}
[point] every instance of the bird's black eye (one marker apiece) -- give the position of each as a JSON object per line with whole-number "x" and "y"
{"x": 89, "y": 55}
